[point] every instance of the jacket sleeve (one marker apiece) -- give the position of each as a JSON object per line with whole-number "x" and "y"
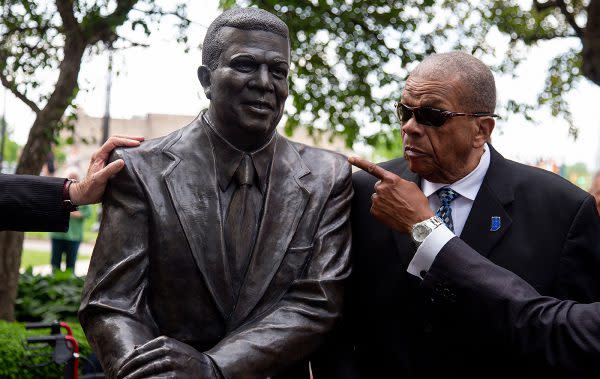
{"x": 297, "y": 323}
{"x": 114, "y": 313}
{"x": 32, "y": 203}
{"x": 563, "y": 334}
{"x": 578, "y": 277}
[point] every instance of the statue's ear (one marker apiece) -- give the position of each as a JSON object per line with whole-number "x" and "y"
{"x": 204, "y": 76}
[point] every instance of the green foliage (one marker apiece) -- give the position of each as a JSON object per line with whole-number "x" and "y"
{"x": 16, "y": 362}
{"x": 350, "y": 57}
{"x": 47, "y": 298}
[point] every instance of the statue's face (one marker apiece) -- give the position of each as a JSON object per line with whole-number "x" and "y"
{"x": 248, "y": 88}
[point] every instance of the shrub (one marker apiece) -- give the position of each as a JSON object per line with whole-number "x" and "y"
{"x": 17, "y": 363}
{"x": 47, "y": 298}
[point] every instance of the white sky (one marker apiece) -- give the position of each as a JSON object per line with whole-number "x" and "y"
{"x": 162, "y": 79}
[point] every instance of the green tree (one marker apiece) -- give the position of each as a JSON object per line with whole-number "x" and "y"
{"x": 48, "y": 39}
{"x": 350, "y": 57}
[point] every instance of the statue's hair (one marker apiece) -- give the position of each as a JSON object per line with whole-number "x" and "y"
{"x": 239, "y": 18}
{"x": 477, "y": 78}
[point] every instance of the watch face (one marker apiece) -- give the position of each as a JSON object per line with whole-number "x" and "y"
{"x": 421, "y": 232}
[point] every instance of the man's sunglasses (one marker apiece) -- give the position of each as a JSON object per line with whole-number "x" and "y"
{"x": 432, "y": 116}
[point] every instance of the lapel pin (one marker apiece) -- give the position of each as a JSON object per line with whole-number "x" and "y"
{"x": 496, "y": 224}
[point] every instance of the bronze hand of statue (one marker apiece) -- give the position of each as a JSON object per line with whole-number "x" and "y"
{"x": 397, "y": 203}
{"x": 168, "y": 357}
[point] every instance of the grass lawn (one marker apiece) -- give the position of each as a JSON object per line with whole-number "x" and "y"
{"x": 34, "y": 258}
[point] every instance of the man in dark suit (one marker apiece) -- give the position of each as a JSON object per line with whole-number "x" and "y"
{"x": 43, "y": 203}
{"x": 526, "y": 220}
{"x": 186, "y": 280}
{"x": 563, "y": 334}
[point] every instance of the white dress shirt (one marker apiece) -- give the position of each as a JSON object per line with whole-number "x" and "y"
{"x": 467, "y": 188}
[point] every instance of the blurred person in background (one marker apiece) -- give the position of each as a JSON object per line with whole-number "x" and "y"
{"x": 68, "y": 242}
{"x": 595, "y": 189}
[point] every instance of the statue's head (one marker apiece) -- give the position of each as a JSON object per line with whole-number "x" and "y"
{"x": 245, "y": 65}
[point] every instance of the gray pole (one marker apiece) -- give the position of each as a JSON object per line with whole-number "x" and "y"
{"x": 3, "y": 136}
{"x": 106, "y": 118}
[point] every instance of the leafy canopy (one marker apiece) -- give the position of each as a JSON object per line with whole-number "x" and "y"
{"x": 351, "y": 56}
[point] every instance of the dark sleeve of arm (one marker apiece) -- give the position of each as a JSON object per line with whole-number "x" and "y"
{"x": 32, "y": 203}
{"x": 563, "y": 334}
{"x": 579, "y": 270}
{"x": 114, "y": 312}
{"x": 296, "y": 325}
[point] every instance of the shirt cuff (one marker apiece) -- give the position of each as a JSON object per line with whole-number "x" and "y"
{"x": 428, "y": 250}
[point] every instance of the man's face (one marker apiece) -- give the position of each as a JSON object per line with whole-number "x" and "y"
{"x": 248, "y": 88}
{"x": 444, "y": 154}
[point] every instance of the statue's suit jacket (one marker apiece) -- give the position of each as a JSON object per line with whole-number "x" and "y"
{"x": 562, "y": 333}
{"x": 32, "y": 203}
{"x": 549, "y": 235}
{"x": 159, "y": 265}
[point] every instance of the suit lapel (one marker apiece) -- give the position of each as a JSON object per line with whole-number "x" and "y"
{"x": 284, "y": 205}
{"x": 191, "y": 181}
{"x": 493, "y": 196}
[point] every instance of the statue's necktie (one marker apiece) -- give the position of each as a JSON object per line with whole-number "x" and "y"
{"x": 241, "y": 220}
{"x": 447, "y": 196}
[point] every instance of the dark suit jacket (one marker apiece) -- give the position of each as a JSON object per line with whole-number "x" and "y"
{"x": 549, "y": 236}
{"x": 32, "y": 203}
{"x": 564, "y": 334}
{"x": 159, "y": 267}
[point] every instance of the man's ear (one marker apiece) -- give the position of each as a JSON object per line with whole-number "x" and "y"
{"x": 485, "y": 127}
{"x": 204, "y": 74}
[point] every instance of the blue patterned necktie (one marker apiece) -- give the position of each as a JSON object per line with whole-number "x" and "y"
{"x": 447, "y": 196}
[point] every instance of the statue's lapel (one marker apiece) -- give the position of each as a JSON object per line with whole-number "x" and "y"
{"x": 284, "y": 205}
{"x": 191, "y": 181}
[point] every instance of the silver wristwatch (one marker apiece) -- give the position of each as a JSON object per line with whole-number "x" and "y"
{"x": 421, "y": 230}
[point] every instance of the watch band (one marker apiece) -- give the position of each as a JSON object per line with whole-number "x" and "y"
{"x": 67, "y": 203}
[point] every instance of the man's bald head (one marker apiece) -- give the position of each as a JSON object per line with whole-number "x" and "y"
{"x": 473, "y": 74}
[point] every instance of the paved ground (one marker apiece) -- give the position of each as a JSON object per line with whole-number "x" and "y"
{"x": 45, "y": 245}
{"x": 83, "y": 259}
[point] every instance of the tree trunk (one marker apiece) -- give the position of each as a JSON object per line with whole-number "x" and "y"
{"x": 10, "y": 243}
{"x": 591, "y": 43}
{"x": 31, "y": 161}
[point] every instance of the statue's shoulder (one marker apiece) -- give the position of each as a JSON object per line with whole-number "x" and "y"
{"x": 319, "y": 159}
{"x": 153, "y": 148}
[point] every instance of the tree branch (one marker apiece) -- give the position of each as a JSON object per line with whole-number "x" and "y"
{"x": 543, "y": 6}
{"x": 65, "y": 9}
{"x": 160, "y": 12}
{"x": 13, "y": 88}
{"x": 103, "y": 29}
{"x": 570, "y": 18}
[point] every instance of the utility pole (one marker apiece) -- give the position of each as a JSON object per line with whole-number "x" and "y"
{"x": 106, "y": 118}
{"x": 3, "y": 136}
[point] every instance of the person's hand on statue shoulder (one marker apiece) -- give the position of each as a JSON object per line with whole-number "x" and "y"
{"x": 91, "y": 189}
{"x": 396, "y": 202}
{"x": 168, "y": 357}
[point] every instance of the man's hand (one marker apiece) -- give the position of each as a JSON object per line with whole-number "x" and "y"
{"x": 168, "y": 357}
{"x": 90, "y": 189}
{"x": 396, "y": 202}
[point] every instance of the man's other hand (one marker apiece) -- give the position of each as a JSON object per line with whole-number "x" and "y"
{"x": 168, "y": 357}
{"x": 396, "y": 202}
{"x": 91, "y": 189}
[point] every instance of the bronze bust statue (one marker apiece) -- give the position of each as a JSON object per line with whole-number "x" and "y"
{"x": 223, "y": 246}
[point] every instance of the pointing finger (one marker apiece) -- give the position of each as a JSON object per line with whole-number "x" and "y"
{"x": 371, "y": 168}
